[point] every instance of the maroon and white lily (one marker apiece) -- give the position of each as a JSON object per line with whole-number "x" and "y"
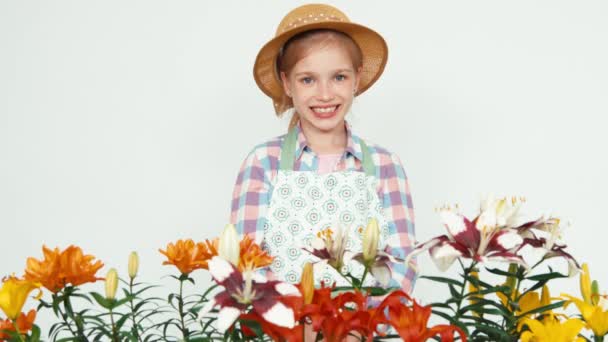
{"x": 375, "y": 260}
{"x": 243, "y": 291}
{"x": 330, "y": 247}
{"x": 551, "y": 233}
{"x": 482, "y": 239}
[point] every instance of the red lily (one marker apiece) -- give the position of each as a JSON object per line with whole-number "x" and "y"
{"x": 411, "y": 322}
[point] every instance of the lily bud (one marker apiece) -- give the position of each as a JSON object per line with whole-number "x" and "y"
{"x": 545, "y": 298}
{"x": 307, "y": 283}
{"x": 370, "y": 240}
{"x": 585, "y": 284}
{"x": 229, "y": 245}
{"x": 111, "y": 284}
{"x": 133, "y": 264}
{"x": 595, "y": 292}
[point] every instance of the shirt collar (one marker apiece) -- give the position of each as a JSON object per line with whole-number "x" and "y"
{"x": 353, "y": 145}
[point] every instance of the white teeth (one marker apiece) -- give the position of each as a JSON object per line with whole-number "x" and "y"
{"x": 324, "y": 110}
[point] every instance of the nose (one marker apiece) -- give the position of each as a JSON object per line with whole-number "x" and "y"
{"x": 325, "y": 92}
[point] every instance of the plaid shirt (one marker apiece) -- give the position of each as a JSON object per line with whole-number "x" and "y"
{"x": 258, "y": 172}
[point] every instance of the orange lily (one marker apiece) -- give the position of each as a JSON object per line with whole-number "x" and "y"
{"x": 58, "y": 269}
{"x": 24, "y": 323}
{"x": 252, "y": 256}
{"x": 188, "y": 256}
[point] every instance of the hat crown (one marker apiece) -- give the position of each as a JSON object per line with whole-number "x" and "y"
{"x": 308, "y": 14}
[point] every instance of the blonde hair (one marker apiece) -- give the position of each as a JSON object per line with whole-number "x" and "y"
{"x": 302, "y": 44}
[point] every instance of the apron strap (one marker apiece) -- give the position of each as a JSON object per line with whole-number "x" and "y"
{"x": 367, "y": 161}
{"x": 288, "y": 154}
{"x": 288, "y": 151}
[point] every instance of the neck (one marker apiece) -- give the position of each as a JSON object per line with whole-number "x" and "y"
{"x": 325, "y": 142}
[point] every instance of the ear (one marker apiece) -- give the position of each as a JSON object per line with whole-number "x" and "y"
{"x": 285, "y": 83}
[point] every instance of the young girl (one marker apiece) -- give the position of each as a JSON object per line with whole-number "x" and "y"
{"x": 320, "y": 174}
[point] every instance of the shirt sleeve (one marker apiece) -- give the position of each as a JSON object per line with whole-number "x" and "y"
{"x": 399, "y": 212}
{"x": 250, "y": 198}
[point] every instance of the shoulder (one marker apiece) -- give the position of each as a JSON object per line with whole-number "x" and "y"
{"x": 266, "y": 153}
{"x": 387, "y": 160}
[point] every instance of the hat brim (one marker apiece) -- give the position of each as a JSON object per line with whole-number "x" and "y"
{"x": 373, "y": 48}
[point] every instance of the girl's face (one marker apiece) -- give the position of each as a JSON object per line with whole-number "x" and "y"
{"x": 322, "y": 86}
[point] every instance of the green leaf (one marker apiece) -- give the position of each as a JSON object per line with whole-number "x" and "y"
{"x": 501, "y": 272}
{"x": 455, "y": 294}
{"x": 494, "y": 289}
{"x": 547, "y": 276}
{"x": 443, "y": 280}
{"x": 101, "y": 300}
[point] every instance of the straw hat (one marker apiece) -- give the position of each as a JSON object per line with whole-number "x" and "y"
{"x": 311, "y": 17}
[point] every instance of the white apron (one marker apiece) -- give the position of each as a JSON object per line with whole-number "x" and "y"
{"x": 303, "y": 203}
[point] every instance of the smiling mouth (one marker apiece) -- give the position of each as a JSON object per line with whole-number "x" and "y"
{"x": 325, "y": 111}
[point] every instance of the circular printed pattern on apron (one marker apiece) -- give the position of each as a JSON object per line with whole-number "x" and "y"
{"x": 292, "y": 277}
{"x": 346, "y": 193}
{"x": 294, "y": 227}
{"x": 313, "y": 216}
{"x": 293, "y": 253}
{"x": 278, "y": 238}
{"x": 301, "y": 180}
{"x": 284, "y": 191}
{"x": 330, "y": 206}
{"x": 315, "y": 193}
{"x": 277, "y": 264}
{"x": 330, "y": 182}
{"x": 346, "y": 217}
{"x": 281, "y": 214}
{"x": 298, "y": 203}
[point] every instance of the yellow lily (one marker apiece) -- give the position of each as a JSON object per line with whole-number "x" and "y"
{"x": 13, "y": 294}
{"x": 595, "y": 316}
{"x": 591, "y": 306}
{"x": 550, "y": 329}
{"x": 585, "y": 284}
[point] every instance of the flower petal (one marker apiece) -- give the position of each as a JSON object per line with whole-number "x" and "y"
{"x": 461, "y": 229}
{"x": 226, "y": 317}
{"x": 443, "y": 255}
{"x": 382, "y": 273}
{"x": 286, "y": 289}
{"x": 280, "y": 315}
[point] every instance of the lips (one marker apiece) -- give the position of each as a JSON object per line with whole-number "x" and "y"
{"x": 325, "y": 112}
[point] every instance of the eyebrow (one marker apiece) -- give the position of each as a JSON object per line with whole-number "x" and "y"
{"x": 312, "y": 73}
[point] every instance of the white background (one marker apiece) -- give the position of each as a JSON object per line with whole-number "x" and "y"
{"x": 123, "y": 124}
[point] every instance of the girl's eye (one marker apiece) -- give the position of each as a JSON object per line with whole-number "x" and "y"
{"x": 306, "y": 80}
{"x": 340, "y": 77}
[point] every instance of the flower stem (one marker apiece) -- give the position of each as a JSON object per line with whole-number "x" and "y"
{"x": 467, "y": 271}
{"x": 70, "y": 312}
{"x": 17, "y": 330}
{"x": 133, "y": 314}
{"x": 64, "y": 316}
{"x": 363, "y": 277}
{"x": 180, "y": 303}
{"x": 114, "y": 333}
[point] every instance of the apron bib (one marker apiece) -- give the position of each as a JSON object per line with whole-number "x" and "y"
{"x": 303, "y": 203}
